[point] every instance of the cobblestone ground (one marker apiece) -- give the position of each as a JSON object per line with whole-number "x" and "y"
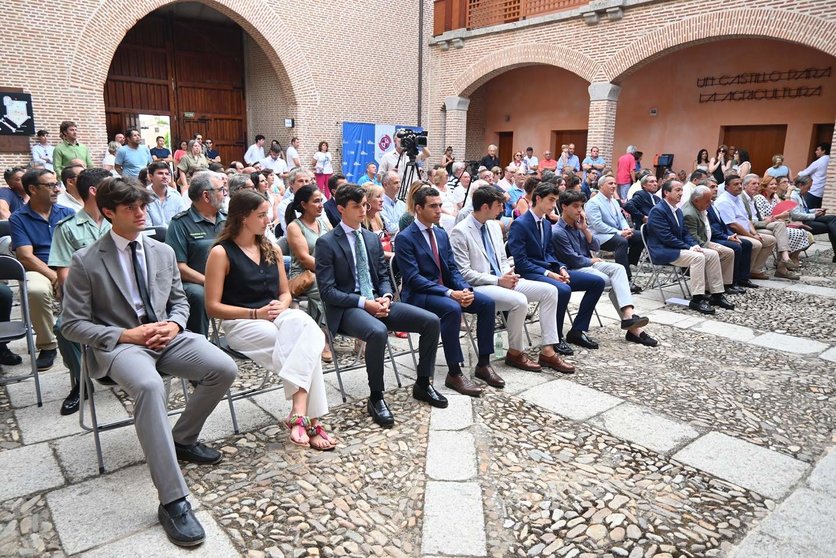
{"x": 697, "y": 448}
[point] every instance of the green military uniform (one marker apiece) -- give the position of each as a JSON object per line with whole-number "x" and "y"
{"x": 71, "y": 234}
{"x": 192, "y": 236}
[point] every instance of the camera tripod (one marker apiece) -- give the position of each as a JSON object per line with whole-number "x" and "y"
{"x": 411, "y": 170}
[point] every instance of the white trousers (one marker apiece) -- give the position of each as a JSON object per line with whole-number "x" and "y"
{"x": 515, "y": 302}
{"x": 292, "y": 346}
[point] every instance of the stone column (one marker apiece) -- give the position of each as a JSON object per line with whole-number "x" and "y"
{"x": 455, "y": 129}
{"x": 603, "y": 103}
{"x": 829, "y": 201}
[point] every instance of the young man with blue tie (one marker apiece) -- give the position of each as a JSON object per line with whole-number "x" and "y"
{"x": 432, "y": 280}
{"x": 356, "y": 290}
{"x": 529, "y": 241}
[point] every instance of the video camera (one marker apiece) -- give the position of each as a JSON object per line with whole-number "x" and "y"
{"x": 411, "y": 141}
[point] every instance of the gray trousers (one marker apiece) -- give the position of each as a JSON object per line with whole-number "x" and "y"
{"x": 137, "y": 370}
{"x": 615, "y": 277}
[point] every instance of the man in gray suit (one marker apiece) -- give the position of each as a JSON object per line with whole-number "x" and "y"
{"x": 480, "y": 256}
{"x": 611, "y": 230}
{"x": 696, "y": 221}
{"x": 124, "y": 299}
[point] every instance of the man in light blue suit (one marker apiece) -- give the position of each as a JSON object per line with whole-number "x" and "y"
{"x": 611, "y": 230}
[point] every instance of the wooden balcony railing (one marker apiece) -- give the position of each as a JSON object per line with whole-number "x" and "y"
{"x": 473, "y": 14}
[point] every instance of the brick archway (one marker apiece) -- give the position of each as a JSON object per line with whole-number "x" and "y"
{"x": 509, "y": 58}
{"x": 94, "y": 49}
{"x": 793, "y": 27}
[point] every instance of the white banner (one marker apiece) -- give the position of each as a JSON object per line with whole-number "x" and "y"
{"x": 384, "y": 140}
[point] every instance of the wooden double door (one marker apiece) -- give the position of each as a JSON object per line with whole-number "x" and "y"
{"x": 191, "y": 71}
{"x": 761, "y": 141}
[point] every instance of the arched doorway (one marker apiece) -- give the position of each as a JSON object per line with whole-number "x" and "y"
{"x": 539, "y": 106}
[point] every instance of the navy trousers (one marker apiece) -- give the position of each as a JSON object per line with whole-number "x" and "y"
{"x": 578, "y": 281}
{"x": 450, "y": 313}
{"x": 742, "y": 257}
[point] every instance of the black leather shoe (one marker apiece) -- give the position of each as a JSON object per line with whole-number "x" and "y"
{"x": 701, "y": 305}
{"x": 748, "y": 284}
{"x": 198, "y": 453}
{"x": 635, "y": 289}
{"x": 635, "y": 321}
{"x": 734, "y": 290}
{"x": 71, "y": 403}
{"x": 563, "y": 348}
{"x": 641, "y": 339}
{"x": 46, "y": 358}
{"x": 380, "y": 413}
{"x": 429, "y": 395}
{"x": 180, "y": 525}
{"x": 721, "y": 301}
{"x": 580, "y": 338}
{"x": 8, "y": 358}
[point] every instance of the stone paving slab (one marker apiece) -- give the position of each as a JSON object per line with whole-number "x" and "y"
{"x": 451, "y": 455}
{"x": 152, "y": 543}
{"x": 642, "y": 426}
{"x": 823, "y": 477}
{"x": 457, "y": 415}
{"x": 28, "y": 469}
{"x": 764, "y": 471}
{"x": 105, "y": 508}
{"x": 219, "y": 424}
{"x": 77, "y": 454}
{"x": 665, "y": 317}
{"x": 54, "y": 385}
{"x": 812, "y": 290}
{"x": 517, "y": 381}
{"x": 46, "y": 423}
{"x": 829, "y": 355}
{"x": 722, "y": 329}
{"x": 453, "y": 519}
{"x": 760, "y": 545}
{"x": 570, "y": 399}
{"x": 789, "y": 343}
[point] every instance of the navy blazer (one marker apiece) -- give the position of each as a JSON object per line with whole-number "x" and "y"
{"x": 571, "y": 246}
{"x": 719, "y": 230}
{"x": 336, "y": 273}
{"x": 532, "y": 257}
{"x": 332, "y": 212}
{"x": 418, "y": 268}
{"x": 664, "y": 238}
{"x": 639, "y": 206}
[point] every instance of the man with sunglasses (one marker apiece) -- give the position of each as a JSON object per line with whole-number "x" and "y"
{"x": 32, "y": 229}
{"x": 211, "y": 153}
{"x": 192, "y": 234}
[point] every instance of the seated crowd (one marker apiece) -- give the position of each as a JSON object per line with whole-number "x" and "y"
{"x": 243, "y": 251}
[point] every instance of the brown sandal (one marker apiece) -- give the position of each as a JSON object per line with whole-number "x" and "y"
{"x": 300, "y": 421}
{"x": 317, "y": 430}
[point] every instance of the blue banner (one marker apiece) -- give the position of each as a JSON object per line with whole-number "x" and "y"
{"x": 358, "y": 148}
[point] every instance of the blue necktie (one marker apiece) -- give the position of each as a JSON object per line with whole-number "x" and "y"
{"x": 542, "y": 240}
{"x": 490, "y": 251}
{"x": 364, "y": 278}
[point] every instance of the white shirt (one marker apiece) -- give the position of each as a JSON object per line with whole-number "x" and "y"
{"x": 687, "y": 190}
{"x": 818, "y": 172}
{"x": 673, "y": 210}
{"x": 323, "y": 162}
{"x": 254, "y": 154}
{"x": 704, "y": 215}
{"x": 277, "y": 165}
{"x": 65, "y": 199}
{"x": 529, "y": 162}
{"x": 126, "y": 262}
{"x": 352, "y": 241}
{"x": 291, "y": 155}
{"x": 43, "y": 154}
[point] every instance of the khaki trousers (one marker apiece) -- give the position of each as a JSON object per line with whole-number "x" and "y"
{"x": 41, "y": 298}
{"x": 777, "y": 229}
{"x": 726, "y": 260}
{"x": 761, "y": 250}
{"x": 705, "y": 270}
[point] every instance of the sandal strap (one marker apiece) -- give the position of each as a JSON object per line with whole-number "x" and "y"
{"x": 317, "y": 430}
{"x": 298, "y": 420}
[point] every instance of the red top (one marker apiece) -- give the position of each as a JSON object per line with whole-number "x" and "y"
{"x": 626, "y": 163}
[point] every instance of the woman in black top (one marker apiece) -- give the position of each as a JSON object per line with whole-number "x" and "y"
{"x": 246, "y": 287}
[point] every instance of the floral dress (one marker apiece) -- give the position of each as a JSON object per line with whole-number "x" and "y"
{"x": 797, "y": 237}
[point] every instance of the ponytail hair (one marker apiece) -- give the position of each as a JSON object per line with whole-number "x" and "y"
{"x": 302, "y": 195}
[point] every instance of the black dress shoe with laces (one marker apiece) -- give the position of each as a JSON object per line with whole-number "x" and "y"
{"x": 580, "y": 338}
{"x": 563, "y": 348}
{"x": 748, "y": 284}
{"x": 380, "y": 413}
{"x": 198, "y": 453}
{"x": 8, "y": 358}
{"x": 734, "y": 290}
{"x": 46, "y": 358}
{"x": 429, "y": 395}
{"x": 180, "y": 524}
{"x": 721, "y": 301}
{"x": 701, "y": 305}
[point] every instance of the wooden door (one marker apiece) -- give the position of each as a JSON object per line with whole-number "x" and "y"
{"x": 822, "y": 133}
{"x": 191, "y": 71}
{"x": 506, "y": 148}
{"x": 561, "y": 137}
{"x": 761, "y": 141}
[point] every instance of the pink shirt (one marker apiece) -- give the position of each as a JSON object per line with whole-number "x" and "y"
{"x": 626, "y": 163}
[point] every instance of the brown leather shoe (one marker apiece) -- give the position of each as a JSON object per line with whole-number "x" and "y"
{"x": 463, "y": 385}
{"x": 759, "y": 275}
{"x": 487, "y": 375}
{"x": 522, "y": 362}
{"x": 556, "y": 363}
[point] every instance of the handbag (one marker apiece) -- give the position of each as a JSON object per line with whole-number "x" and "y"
{"x": 300, "y": 284}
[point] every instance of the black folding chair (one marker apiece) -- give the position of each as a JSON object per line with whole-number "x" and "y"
{"x": 157, "y": 233}
{"x": 12, "y": 270}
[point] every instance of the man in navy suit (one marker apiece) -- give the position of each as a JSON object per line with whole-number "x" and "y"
{"x": 669, "y": 243}
{"x": 356, "y": 290}
{"x": 431, "y": 280}
{"x": 642, "y": 202}
{"x": 529, "y": 241}
{"x": 335, "y": 181}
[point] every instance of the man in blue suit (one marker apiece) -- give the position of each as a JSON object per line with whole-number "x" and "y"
{"x": 530, "y": 243}
{"x": 432, "y": 281}
{"x": 642, "y": 202}
{"x": 610, "y": 228}
{"x": 356, "y": 291}
{"x": 670, "y": 243}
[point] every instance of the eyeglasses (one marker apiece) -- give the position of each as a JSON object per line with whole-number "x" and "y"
{"x": 51, "y": 185}
{"x": 208, "y": 142}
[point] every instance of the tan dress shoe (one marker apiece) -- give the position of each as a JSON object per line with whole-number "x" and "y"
{"x": 463, "y": 385}
{"x": 556, "y": 363}
{"x": 487, "y": 375}
{"x": 522, "y": 362}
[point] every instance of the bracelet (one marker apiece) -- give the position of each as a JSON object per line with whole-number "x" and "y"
{"x": 252, "y": 314}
